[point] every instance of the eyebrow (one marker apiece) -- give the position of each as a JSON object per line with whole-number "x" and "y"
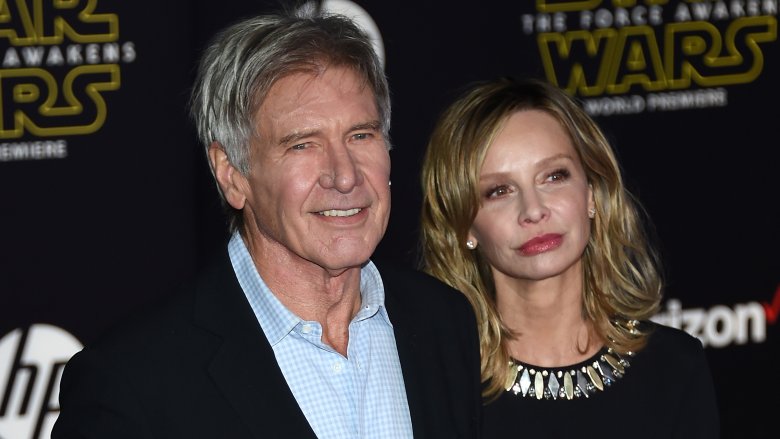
{"x": 544, "y": 162}
{"x": 554, "y": 158}
{"x": 292, "y": 137}
{"x": 373, "y": 125}
{"x": 297, "y": 136}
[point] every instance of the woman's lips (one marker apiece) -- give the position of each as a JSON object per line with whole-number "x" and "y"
{"x": 541, "y": 244}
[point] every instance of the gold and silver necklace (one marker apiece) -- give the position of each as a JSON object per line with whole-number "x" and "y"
{"x": 594, "y": 375}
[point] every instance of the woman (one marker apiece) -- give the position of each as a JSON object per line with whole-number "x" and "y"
{"x": 526, "y": 213}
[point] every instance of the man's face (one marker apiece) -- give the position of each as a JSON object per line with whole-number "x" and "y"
{"x": 318, "y": 187}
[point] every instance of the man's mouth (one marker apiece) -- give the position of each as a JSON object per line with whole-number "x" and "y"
{"x": 338, "y": 212}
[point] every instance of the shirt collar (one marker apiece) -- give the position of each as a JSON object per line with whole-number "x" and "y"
{"x": 275, "y": 319}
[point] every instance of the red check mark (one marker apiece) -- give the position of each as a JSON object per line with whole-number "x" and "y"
{"x": 772, "y": 310}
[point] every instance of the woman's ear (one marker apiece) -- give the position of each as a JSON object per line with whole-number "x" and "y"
{"x": 591, "y": 201}
{"x": 471, "y": 242}
{"x": 231, "y": 182}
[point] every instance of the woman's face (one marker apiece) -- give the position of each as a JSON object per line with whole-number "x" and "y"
{"x": 533, "y": 221}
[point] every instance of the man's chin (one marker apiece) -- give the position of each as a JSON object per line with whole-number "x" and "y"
{"x": 345, "y": 258}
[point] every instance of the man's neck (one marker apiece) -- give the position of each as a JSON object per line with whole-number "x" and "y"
{"x": 313, "y": 293}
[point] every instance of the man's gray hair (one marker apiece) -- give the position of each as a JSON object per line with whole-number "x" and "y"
{"x": 243, "y": 61}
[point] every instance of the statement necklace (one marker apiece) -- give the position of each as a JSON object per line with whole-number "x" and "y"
{"x": 595, "y": 374}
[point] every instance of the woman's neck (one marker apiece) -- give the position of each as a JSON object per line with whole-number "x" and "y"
{"x": 546, "y": 318}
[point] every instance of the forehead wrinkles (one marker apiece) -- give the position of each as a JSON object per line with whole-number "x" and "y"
{"x": 281, "y": 103}
{"x": 303, "y": 103}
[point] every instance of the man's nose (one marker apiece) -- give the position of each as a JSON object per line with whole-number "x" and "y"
{"x": 341, "y": 170}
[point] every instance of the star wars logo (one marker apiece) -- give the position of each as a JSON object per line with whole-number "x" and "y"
{"x": 599, "y": 48}
{"x": 58, "y": 60}
{"x": 31, "y": 363}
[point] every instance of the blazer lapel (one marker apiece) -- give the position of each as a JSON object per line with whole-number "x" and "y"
{"x": 406, "y": 341}
{"x": 244, "y": 368}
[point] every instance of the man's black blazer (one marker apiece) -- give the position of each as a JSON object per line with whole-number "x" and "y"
{"x": 199, "y": 366}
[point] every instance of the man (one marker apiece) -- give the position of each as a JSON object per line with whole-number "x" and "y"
{"x": 294, "y": 332}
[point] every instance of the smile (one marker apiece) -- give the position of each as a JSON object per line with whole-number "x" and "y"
{"x": 337, "y": 212}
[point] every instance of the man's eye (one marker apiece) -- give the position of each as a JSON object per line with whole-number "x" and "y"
{"x": 299, "y": 146}
{"x": 361, "y": 136}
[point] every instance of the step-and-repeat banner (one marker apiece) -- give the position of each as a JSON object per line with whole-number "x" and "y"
{"x": 106, "y": 202}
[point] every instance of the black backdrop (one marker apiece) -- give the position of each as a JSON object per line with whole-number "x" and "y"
{"x": 106, "y": 202}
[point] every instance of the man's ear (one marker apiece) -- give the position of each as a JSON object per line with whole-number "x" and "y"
{"x": 230, "y": 181}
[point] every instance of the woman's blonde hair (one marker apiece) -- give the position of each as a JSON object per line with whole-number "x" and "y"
{"x": 621, "y": 275}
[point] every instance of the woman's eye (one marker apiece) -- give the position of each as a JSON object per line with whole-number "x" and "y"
{"x": 497, "y": 191}
{"x": 559, "y": 175}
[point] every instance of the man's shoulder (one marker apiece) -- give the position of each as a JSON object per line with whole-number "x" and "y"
{"x": 421, "y": 295}
{"x": 139, "y": 328}
{"x": 171, "y": 315}
{"x": 403, "y": 280}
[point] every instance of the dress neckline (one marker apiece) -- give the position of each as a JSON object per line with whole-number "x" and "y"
{"x": 583, "y": 379}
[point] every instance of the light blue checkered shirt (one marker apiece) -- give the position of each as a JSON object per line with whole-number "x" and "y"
{"x": 361, "y": 396}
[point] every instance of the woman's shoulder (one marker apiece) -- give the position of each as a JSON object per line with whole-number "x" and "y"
{"x": 672, "y": 342}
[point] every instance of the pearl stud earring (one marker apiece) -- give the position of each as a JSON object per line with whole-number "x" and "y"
{"x": 471, "y": 245}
